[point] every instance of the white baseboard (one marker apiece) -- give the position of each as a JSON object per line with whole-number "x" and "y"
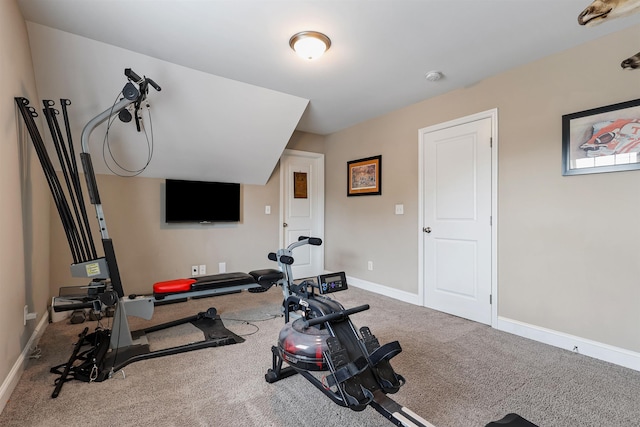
{"x": 403, "y": 296}
{"x": 597, "y": 350}
{"x": 10, "y": 382}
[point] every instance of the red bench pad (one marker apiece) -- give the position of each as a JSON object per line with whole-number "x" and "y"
{"x": 173, "y": 286}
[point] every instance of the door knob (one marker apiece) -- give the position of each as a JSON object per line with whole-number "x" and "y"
{"x": 427, "y": 229}
{"x": 285, "y": 224}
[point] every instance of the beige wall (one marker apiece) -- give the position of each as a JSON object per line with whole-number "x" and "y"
{"x": 24, "y": 198}
{"x": 568, "y": 256}
{"x": 149, "y": 250}
{"x": 303, "y": 141}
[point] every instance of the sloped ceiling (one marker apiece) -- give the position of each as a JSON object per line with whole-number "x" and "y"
{"x": 233, "y": 91}
{"x": 201, "y": 126}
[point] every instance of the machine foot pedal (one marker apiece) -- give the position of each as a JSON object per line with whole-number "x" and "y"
{"x": 338, "y": 353}
{"x": 379, "y": 356}
{"x": 356, "y": 396}
{"x": 371, "y": 343}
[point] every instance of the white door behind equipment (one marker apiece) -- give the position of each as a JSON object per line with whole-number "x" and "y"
{"x": 302, "y": 210}
{"x": 457, "y": 208}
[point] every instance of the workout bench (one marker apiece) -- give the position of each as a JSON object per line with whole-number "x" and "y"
{"x": 178, "y": 289}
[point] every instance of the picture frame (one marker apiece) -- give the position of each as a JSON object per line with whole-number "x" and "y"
{"x": 364, "y": 177}
{"x": 603, "y": 139}
{"x": 300, "y": 187}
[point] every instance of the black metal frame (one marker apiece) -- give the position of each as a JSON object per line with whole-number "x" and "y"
{"x": 99, "y": 360}
{"x": 76, "y": 224}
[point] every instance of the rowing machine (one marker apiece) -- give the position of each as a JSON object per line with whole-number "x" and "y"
{"x": 319, "y": 336}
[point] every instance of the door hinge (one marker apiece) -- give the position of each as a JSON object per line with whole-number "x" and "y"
{"x": 490, "y": 142}
{"x": 490, "y": 299}
{"x": 490, "y": 219}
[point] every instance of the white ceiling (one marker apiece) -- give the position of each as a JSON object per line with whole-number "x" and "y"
{"x": 236, "y": 91}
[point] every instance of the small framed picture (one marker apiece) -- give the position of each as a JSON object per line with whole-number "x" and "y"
{"x": 364, "y": 177}
{"x": 299, "y": 185}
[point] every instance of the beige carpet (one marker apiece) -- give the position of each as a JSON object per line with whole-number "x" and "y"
{"x": 459, "y": 373}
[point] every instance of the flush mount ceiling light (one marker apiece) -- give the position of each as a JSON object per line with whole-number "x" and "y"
{"x": 309, "y": 44}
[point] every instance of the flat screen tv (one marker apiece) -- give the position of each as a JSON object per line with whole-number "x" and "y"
{"x": 199, "y": 201}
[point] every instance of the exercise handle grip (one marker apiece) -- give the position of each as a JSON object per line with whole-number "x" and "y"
{"x": 132, "y": 75}
{"x": 315, "y": 241}
{"x": 338, "y": 315}
{"x": 286, "y": 259}
{"x": 139, "y": 80}
{"x": 154, "y": 84}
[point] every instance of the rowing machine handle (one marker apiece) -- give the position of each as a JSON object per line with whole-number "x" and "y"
{"x": 338, "y": 315}
{"x": 315, "y": 241}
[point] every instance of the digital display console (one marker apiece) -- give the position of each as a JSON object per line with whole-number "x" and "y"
{"x": 333, "y": 282}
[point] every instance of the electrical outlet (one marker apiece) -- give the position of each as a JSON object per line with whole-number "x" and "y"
{"x": 400, "y": 209}
{"x": 28, "y": 316}
{"x": 222, "y": 267}
{"x": 202, "y": 269}
{"x": 370, "y": 265}
{"x": 194, "y": 270}
{"x": 267, "y": 210}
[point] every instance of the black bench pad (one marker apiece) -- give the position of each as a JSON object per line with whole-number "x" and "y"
{"x": 221, "y": 280}
{"x": 266, "y": 277}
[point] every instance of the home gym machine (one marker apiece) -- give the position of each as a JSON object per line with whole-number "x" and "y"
{"x": 320, "y": 342}
{"x": 319, "y": 336}
{"x": 98, "y": 355}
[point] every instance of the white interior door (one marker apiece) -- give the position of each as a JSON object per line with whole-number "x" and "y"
{"x": 302, "y": 211}
{"x": 457, "y": 219}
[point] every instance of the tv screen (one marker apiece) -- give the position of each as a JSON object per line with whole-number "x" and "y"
{"x": 199, "y": 201}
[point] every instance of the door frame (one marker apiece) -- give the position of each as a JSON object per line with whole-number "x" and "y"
{"x": 319, "y": 161}
{"x": 493, "y": 115}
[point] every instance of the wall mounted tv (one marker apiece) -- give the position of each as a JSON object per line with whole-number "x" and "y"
{"x": 199, "y": 201}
